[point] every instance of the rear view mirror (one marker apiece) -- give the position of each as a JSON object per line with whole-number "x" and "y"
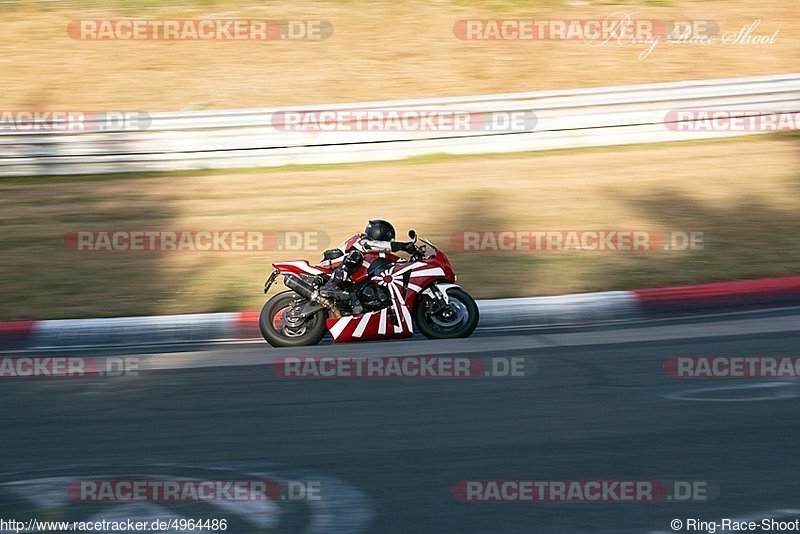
{"x": 412, "y": 234}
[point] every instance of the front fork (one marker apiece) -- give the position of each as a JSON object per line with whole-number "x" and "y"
{"x": 438, "y": 296}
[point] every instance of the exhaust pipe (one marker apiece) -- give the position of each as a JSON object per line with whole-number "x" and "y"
{"x": 299, "y": 286}
{"x": 304, "y": 289}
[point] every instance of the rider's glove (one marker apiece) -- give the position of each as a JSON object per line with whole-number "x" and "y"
{"x": 407, "y": 246}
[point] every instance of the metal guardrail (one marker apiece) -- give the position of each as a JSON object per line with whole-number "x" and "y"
{"x": 249, "y": 137}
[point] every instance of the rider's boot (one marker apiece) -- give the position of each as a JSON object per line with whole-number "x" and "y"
{"x": 333, "y": 287}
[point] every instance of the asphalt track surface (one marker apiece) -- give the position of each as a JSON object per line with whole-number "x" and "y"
{"x": 595, "y": 403}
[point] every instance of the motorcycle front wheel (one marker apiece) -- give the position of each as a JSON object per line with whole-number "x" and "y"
{"x": 458, "y": 319}
{"x": 280, "y": 329}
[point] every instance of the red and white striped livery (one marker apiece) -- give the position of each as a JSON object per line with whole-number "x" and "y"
{"x": 404, "y": 296}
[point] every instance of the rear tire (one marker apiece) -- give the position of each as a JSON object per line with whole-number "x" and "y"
{"x": 279, "y": 334}
{"x": 461, "y": 320}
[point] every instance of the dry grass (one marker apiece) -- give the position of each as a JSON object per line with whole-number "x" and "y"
{"x": 744, "y": 194}
{"x": 379, "y": 50}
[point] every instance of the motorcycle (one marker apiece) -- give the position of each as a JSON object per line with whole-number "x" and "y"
{"x": 388, "y": 297}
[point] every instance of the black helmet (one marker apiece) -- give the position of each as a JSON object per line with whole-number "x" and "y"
{"x": 380, "y": 230}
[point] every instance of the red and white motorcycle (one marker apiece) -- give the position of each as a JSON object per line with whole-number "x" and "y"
{"x": 389, "y": 296}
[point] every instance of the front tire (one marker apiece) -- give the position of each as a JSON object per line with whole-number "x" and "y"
{"x": 280, "y": 332}
{"x": 459, "y": 320}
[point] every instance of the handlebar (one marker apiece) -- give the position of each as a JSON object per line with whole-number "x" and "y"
{"x": 419, "y": 253}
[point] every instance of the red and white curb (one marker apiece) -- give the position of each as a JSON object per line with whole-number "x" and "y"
{"x": 500, "y": 313}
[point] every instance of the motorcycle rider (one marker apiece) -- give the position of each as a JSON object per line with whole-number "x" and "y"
{"x": 378, "y": 237}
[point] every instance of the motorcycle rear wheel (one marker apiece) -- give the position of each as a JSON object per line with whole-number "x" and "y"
{"x": 279, "y": 332}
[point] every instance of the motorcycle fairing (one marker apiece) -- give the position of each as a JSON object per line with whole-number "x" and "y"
{"x": 298, "y": 267}
{"x": 404, "y": 282}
